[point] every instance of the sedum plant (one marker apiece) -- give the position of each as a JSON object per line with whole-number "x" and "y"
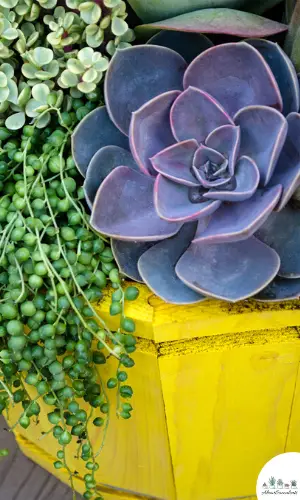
{"x": 85, "y": 71}
{"x": 194, "y": 167}
{"x": 8, "y": 33}
{"x": 40, "y": 65}
{"x": 66, "y": 28}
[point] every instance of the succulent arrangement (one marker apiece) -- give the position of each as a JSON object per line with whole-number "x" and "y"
{"x": 65, "y": 47}
{"x": 189, "y": 146}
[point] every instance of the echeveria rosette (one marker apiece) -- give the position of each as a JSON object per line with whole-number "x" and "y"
{"x": 190, "y": 167}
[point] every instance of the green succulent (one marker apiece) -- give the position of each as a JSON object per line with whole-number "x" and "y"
{"x": 120, "y": 42}
{"x": 84, "y": 72}
{"x": 28, "y": 10}
{"x": 47, "y": 4}
{"x": 8, "y": 4}
{"x": 8, "y": 87}
{"x": 29, "y": 35}
{"x": 8, "y": 32}
{"x": 40, "y": 65}
{"x": 66, "y": 28}
{"x": 38, "y": 104}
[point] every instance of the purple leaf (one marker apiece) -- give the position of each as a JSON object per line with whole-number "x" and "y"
{"x": 246, "y": 179}
{"x": 238, "y": 221}
{"x": 172, "y": 202}
{"x": 157, "y": 268}
{"x": 188, "y": 45}
{"x": 283, "y": 71}
{"x": 102, "y": 163}
{"x": 150, "y": 130}
{"x": 226, "y": 140}
{"x": 281, "y": 231}
{"x": 219, "y": 20}
{"x": 287, "y": 171}
{"x": 123, "y": 208}
{"x": 136, "y": 75}
{"x": 127, "y": 254}
{"x": 236, "y": 75}
{"x": 263, "y": 132}
{"x": 93, "y": 133}
{"x": 280, "y": 289}
{"x": 202, "y": 159}
{"x": 231, "y": 271}
{"x": 175, "y": 162}
{"x": 195, "y": 114}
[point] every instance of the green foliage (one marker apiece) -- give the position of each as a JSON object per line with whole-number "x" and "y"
{"x": 53, "y": 268}
{"x": 47, "y": 42}
{"x": 292, "y": 43}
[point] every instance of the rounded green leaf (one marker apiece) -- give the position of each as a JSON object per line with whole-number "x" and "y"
{"x": 3, "y": 80}
{"x": 75, "y": 66}
{"x": 68, "y": 20}
{"x": 85, "y": 56}
{"x": 31, "y": 107}
{"x": 42, "y": 55}
{"x": 59, "y": 12}
{"x": 86, "y": 87}
{"x": 24, "y": 97}
{"x": 16, "y": 121}
{"x": 68, "y": 79}
{"x": 40, "y": 92}
{"x": 28, "y": 70}
{"x": 4, "y": 93}
{"x": 90, "y": 12}
{"x": 7, "y": 69}
{"x": 43, "y": 121}
{"x": 10, "y": 34}
{"x": 119, "y": 26}
{"x": 111, "y": 3}
{"x": 102, "y": 64}
{"x": 13, "y": 91}
{"x": 90, "y": 75}
{"x": 53, "y": 68}
{"x": 8, "y": 4}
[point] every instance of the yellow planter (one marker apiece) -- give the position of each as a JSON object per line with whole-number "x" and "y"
{"x": 216, "y": 395}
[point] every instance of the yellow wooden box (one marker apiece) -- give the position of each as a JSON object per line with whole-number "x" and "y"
{"x": 216, "y": 395}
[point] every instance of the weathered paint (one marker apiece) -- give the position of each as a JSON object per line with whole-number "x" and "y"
{"x": 216, "y": 395}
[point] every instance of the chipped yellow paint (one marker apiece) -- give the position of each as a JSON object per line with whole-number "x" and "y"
{"x": 216, "y": 395}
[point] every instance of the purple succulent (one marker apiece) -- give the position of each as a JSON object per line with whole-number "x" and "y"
{"x": 190, "y": 168}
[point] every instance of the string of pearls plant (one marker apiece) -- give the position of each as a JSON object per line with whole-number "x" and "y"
{"x": 53, "y": 266}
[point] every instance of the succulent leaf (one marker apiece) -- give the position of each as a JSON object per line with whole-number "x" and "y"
{"x": 151, "y": 121}
{"x": 217, "y": 20}
{"x": 102, "y": 163}
{"x": 127, "y": 254}
{"x": 219, "y": 270}
{"x": 176, "y": 161}
{"x": 188, "y": 45}
{"x": 85, "y": 144}
{"x": 263, "y": 133}
{"x": 163, "y": 257}
{"x": 280, "y": 289}
{"x": 128, "y": 70}
{"x": 151, "y": 10}
{"x": 130, "y": 215}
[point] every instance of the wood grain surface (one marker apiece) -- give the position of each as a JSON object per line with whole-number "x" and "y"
{"x": 21, "y": 479}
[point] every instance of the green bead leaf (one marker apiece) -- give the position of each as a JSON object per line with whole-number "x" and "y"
{"x": 223, "y": 21}
{"x": 90, "y": 12}
{"x": 16, "y": 121}
{"x": 40, "y": 92}
{"x": 42, "y": 55}
{"x": 119, "y": 26}
{"x": 157, "y": 10}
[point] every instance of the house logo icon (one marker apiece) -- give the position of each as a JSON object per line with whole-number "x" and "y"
{"x": 280, "y": 476}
